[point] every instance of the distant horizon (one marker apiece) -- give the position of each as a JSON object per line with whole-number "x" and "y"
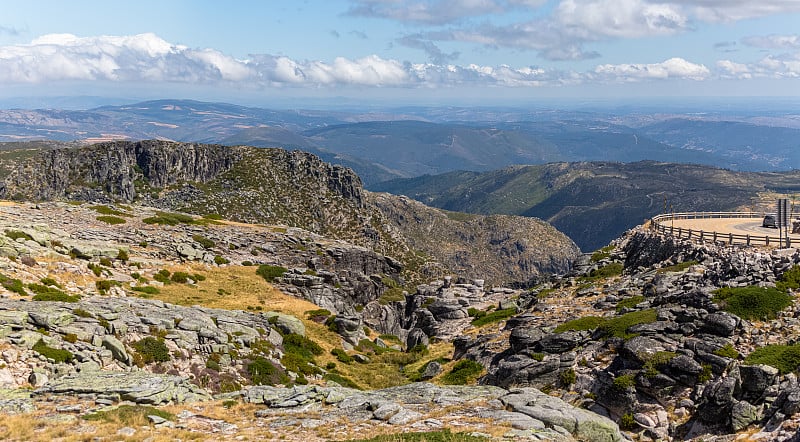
{"x": 678, "y": 104}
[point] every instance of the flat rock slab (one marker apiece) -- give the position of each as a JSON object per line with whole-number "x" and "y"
{"x": 137, "y": 386}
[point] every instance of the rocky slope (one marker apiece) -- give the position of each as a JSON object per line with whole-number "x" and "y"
{"x": 651, "y": 342}
{"x": 275, "y": 186}
{"x": 98, "y": 316}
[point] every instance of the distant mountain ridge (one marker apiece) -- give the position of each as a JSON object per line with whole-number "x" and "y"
{"x": 593, "y": 202}
{"x": 409, "y": 142}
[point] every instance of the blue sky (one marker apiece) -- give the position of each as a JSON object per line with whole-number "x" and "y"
{"x": 417, "y": 51}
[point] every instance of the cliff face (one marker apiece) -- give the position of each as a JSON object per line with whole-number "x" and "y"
{"x": 275, "y": 186}
{"x": 115, "y": 167}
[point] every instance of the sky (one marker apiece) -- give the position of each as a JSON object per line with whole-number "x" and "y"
{"x": 404, "y": 52}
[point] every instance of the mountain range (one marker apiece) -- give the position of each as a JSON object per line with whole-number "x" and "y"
{"x": 407, "y": 142}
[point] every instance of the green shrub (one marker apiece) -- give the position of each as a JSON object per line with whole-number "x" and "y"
{"x": 390, "y": 338}
{"x": 318, "y": 314}
{"x": 163, "y": 276}
{"x": 296, "y": 363}
{"x": 104, "y": 285}
{"x": 180, "y": 277}
{"x": 786, "y": 358}
{"x": 146, "y": 289}
{"x": 624, "y": 382}
{"x": 122, "y": 255}
{"x": 219, "y": 260}
{"x": 679, "y": 267}
{"x": 50, "y": 281}
{"x": 13, "y": 285}
{"x": 613, "y": 269}
{"x": 580, "y": 324}
{"x": 752, "y": 302}
{"x": 55, "y": 354}
{"x": 342, "y": 355}
{"x": 48, "y": 293}
{"x": 495, "y": 316}
{"x": 198, "y": 277}
{"x": 105, "y": 262}
{"x": 618, "y": 326}
{"x": 203, "y": 241}
{"x": 71, "y": 338}
{"x": 113, "y": 220}
{"x": 602, "y": 254}
{"x": 394, "y": 294}
{"x": 270, "y": 273}
{"x": 170, "y": 219}
{"x": 96, "y": 269}
{"x": 537, "y": 356}
{"x": 567, "y": 377}
{"x": 464, "y": 372}
{"x": 727, "y": 352}
{"x": 631, "y": 302}
{"x": 627, "y": 422}
{"x": 17, "y": 234}
{"x": 151, "y": 349}
{"x": 790, "y": 280}
{"x": 656, "y": 362}
{"x": 300, "y": 345}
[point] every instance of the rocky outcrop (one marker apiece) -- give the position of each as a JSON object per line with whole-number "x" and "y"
{"x": 139, "y": 387}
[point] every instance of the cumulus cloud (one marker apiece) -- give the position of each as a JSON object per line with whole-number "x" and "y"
{"x": 669, "y": 69}
{"x": 773, "y": 41}
{"x": 146, "y": 58}
{"x": 735, "y": 10}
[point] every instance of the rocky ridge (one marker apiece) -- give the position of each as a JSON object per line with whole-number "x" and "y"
{"x": 275, "y": 186}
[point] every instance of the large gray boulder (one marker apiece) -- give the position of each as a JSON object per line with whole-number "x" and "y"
{"x": 554, "y": 412}
{"x": 140, "y": 387}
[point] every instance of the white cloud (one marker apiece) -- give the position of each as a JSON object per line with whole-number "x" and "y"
{"x": 773, "y": 41}
{"x": 426, "y": 12}
{"x": 591, "y": 19}
{"x": 669, "y": 69}
{"x": 735, "y": 10}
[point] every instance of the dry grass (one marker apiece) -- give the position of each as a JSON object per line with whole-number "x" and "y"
{"x": 242, "y": 289}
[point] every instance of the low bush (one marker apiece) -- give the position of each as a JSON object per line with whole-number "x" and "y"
{"x": 108, "y": 219}
{"x": 342, "y": 355}
{"x": 203, "y": 241}
{"x": 104, "y": 285}
{"x": 341, "y": 380}
{"x": 495, "y": 316}
{"x": 631, "y": 302}
{"x": 56, "y": 354}
{"x": 602, "y": 254}
{"x": 618, "y": 326}
{"x": 580, "y": 324}
{"x": 464, "y": 372}
{"x": 169, "y": 219}
{"x": 146, "y": 289}
{"x": 429, "y": 436}
{"x": 727, "y": 352}
{"x": 219, "y": 260}
{"x": 624, "y": 382}
{"x": 394, "y": 294}
{"x": 151, "y": 349}
{"x": 613, "y": 269}
{"x": 656, "y": 362}
{"x": 679, "y": 267}
{"x": 13, "y": 285}
{"x": 270, "y": 272}
{"x": 786, "y": 358}
{"x": 163, "y": 276}
{"x": 567, "y": 377}
{"x": 50, "y": 281}
{"x": 790, "y": 280}
{"x": 48, "y": 293}
{"x": 264, "y": 372}
{"x": 752, "y": 302}
{"x": 180, "y": 277}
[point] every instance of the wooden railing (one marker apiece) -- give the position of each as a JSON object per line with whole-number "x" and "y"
{"x": 663, "y": 224}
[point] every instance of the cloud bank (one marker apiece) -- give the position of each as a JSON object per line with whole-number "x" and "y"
{"x": 147, "y": 58}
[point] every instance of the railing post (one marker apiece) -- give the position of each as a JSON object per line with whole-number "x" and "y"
{"x": 715, "y": 236}
{"x": 730, "y": 238}
{"x": 748, "y": 239}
